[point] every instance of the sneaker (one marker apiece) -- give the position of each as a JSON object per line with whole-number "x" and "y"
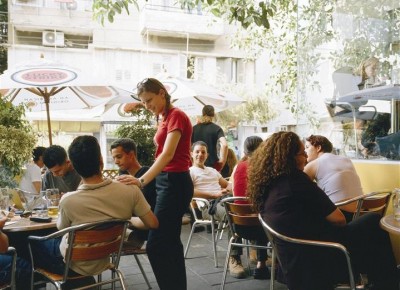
{"x": 262, "y": 273}
{"x": 236, "y": 268}
{"x": 133, "y": 241}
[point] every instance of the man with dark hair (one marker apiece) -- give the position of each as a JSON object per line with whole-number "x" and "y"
{"x": 60, "y": 172}
{"x": 213, "y": 136}
{"x": 124, "y": 154}
{"x": 92, "y": 202}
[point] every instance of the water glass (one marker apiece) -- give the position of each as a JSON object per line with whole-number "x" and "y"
{"x": 4, "y": 205}
{"x": 396, "y": 203}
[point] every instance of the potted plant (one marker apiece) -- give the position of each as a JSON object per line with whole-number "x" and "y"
{"x": 17, "y": 141}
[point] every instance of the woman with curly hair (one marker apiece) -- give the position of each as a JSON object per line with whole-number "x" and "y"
{"x": 295, "y": 206}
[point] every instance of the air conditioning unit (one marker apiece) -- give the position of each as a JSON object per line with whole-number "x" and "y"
{"x": 51, "y": 38}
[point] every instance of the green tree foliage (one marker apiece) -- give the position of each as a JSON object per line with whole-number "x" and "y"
{"x": 142, "y": 131}
{"x": 242, "y": 11}
{"x": 17, "y": 141}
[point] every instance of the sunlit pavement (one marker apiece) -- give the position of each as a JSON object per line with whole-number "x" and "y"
{"x": 200, "y": 270}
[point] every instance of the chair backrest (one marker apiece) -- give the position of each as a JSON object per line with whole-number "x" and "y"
{"x": 194, "y": 206}
{"x": 94, "y": 241}
{"x": 240, "y": 213}
{"x": 13, "y": 253}
{"x": 376, "y": 201}
{"x": 274, "y": 237}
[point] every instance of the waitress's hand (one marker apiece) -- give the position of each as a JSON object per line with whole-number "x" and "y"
{"x": 128, "y": 179}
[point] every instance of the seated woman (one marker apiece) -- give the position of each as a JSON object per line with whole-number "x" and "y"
{"x": 295, "y": 206}
{"x": 239, "y": 182}
{"x": 334, "y": 174}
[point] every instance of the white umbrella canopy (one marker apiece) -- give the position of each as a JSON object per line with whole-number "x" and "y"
{"x": 191, "y": 95}
{"x": 46, "y": 85}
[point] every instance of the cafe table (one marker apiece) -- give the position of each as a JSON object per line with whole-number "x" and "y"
{"x": 390, "y": 224}
{"x": 19, "y": 224}
{"x": 18, "y": 229}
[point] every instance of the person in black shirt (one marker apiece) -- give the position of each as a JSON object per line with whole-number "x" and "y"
{"x": 213, "y": 136}
{"x": 123, "y": 152}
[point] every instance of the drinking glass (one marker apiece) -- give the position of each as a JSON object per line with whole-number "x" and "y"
{"x": 4, "y": 205}
{"x": 53, "y": 199}
{"x": 396, "y": 203}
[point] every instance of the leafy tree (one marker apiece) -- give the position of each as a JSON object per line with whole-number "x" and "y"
{"x": 17, "y": 141}
{"x": 243, "y": 11}
{"x": 142, "y": 132}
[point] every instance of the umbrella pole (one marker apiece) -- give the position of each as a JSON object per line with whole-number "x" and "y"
{"x": 46, "y": 101}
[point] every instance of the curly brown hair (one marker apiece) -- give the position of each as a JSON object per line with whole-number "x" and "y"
{"x": 274, "y": 158}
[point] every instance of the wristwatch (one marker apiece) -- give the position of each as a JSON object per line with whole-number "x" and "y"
{"x": 141, "y": 180}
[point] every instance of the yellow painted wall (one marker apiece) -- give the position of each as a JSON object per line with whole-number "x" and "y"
{"x": 380, "y": 175}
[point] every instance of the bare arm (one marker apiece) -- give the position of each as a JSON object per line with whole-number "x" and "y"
{"x": 3, "y": 237}
{"x": 223, "y": 153}
{"x": 336, "y": 218}
{"x": 37, "y": 185}
{"x": 162, "y": 160}
{"x": 223, "y": 182}
{"x": 209, "y": 195}
{"x": 148, "y": 221}
{"x": 311, "y": 169}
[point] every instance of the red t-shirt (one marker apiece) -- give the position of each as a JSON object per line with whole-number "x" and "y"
{"x": 175, "y": 120}
{"x": 240, "y": 180}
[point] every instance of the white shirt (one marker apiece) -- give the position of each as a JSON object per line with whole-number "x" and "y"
{"x": 31, "y": 174}
{"x": 337, "y": 176}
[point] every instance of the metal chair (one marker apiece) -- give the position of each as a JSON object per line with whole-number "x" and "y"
{"x": 240, "y": 214}
{"x": 199, "y": 221}
{"x": 376, "y": 201}
{"x": 274, "y": 237}
{"x": 87, "y": 243}
{"x": 11, "y": 285}
{"x": 136, "y": 252}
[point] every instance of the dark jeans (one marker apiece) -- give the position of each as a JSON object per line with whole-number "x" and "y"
{"x": 257, "y": 235}
{"x": 22, "y": 274}
{"x": 164, "y": 246}
{"x": 48, "y": 256}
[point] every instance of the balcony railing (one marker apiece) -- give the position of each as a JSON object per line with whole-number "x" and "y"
{"x": 173, "y": 21}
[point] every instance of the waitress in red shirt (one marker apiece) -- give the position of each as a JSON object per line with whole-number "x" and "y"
{"x": 173, "y": 184}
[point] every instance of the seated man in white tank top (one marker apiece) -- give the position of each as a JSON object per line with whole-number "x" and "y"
{"x": 334, "y": 174}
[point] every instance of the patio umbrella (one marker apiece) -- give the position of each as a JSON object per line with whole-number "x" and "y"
{"x": 191, "y": 95}
{"x": 45, "y": 85}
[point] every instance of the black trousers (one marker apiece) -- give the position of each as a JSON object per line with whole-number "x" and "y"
{"x": 164, "y": 245}
{"x": 311, "y": 268}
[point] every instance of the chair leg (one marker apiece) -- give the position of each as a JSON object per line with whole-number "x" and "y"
{"x": 121, "y": 279}
{"x": 142, "y": 270}
{"x": 228, "y": 254}
{"x": 273, "y": 271}
{"x": 190, "y": 238}
{"x": 213, "y": 235}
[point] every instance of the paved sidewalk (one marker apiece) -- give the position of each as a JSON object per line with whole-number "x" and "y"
{"x": 200, "y": 270}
